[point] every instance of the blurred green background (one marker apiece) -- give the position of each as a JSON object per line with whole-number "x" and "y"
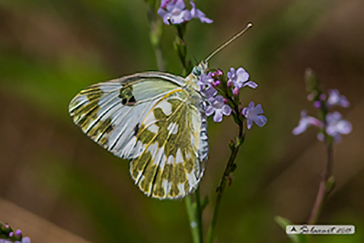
{"x": 59, "y": 186}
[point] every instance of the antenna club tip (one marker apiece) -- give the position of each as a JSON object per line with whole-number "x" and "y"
{"x": 249, "y": 25}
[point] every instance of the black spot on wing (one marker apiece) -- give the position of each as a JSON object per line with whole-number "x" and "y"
{"x": 126, "y": 95}
{"x": 136, "y": 129}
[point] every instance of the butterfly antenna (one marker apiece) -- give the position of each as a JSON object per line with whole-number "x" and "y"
{"x": 228, "y": 42}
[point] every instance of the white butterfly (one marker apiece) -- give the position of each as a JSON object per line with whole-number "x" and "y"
{"x": 156, "y": 120}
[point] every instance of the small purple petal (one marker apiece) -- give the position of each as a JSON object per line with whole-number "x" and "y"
{"x": 305, "y": 122}
{"x": 231, "y": 73}
{"x": 209, "y": 110}
{"x": 196, "y": 13}
{"x": 210, "y": 92}
{"x": 261, "y": 120}
{"x": 258, "y": 109}
{"x": 245, "y": 111}
{"x": 170, "y": 6}
{"x": 344, "y": 127}
{"x": 226, "y": 110}
{"x": 25, "y": 240}
{"x": 251, "y": 105}
{"x": 180, "y": 4}
{"x": 249, "y": 123}
{"x": 336, "y": 99}
{"x": 251, "y": 84}
{"x": 242, "y": 74}
{"x": 218, "y": 116}
{"x": 219, "y": 99}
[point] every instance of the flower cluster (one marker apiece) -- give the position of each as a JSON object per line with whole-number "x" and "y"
{"x": 332, "y": 124}
{"x": 175, "y": 12}
{"x": 215, "y": 86}
{"x": 7, "y": 235}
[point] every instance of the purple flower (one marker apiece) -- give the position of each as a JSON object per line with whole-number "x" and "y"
{"x": 336, "y": 99}
{"x": 175, "y": 11}
{"x": 305, "y": 122}
{"x": 25, "y": 240}
{"x": 253, "y": 113}
{"x": 239, "y": 78}
{"x": 206, "y": 83}
{"x": 217, "y": 106}
{"x": 18, "y": 234}
{"x": 198, "y": 14}
{"x": 337, "y": 126}
{"x": 317, "y": 104}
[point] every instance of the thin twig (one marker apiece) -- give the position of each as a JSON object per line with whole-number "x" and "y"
{"x": 230, "y": 167}
{"x": 323, "y": 190}
{"x": 155, "y": 37}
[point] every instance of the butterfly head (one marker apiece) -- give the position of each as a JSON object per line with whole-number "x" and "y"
{"x": 195, "y": 75}
{"x": 199, "y": 69}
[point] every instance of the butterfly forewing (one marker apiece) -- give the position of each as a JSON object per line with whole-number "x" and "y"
{"x": 107, "y": 111}
{"x": 154, "y": 120}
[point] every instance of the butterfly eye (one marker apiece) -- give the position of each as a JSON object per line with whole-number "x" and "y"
{"x": 196, "y": 71}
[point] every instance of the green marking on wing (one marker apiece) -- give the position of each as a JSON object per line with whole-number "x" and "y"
{"x": 171, "y": 153}
{"x": 87, "y": 112}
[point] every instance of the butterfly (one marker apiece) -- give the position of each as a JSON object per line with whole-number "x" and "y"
{"x": 154, "y": 119}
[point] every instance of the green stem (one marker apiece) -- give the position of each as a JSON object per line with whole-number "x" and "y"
{"x": 155, "y": 36}
{"x": 192, "y": 217}
{"x": 230, "y": 167}
{"x": 199, "y": 214}
{"x": 323, "y": 191}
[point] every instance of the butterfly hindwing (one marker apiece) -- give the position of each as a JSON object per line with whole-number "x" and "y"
{"x": 170, "y": 165}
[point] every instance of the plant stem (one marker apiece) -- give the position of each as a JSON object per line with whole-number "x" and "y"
{"x": 192, "y": 218}
{"x": 199, "y": 214}
{"x": 155, "y": 36}
{"x": 230, "y": 167}
{"x": 323, "y": 189}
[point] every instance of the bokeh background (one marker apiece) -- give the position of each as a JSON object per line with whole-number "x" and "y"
{"x": 59, "y": 186}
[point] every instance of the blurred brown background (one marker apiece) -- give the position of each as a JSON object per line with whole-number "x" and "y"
{"x": 59, "y": 186}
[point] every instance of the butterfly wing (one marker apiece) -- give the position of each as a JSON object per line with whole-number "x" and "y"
{"x": 108, "y": 112}
{"x": 121, "y": 115}
{"x": 174, "y": 136}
